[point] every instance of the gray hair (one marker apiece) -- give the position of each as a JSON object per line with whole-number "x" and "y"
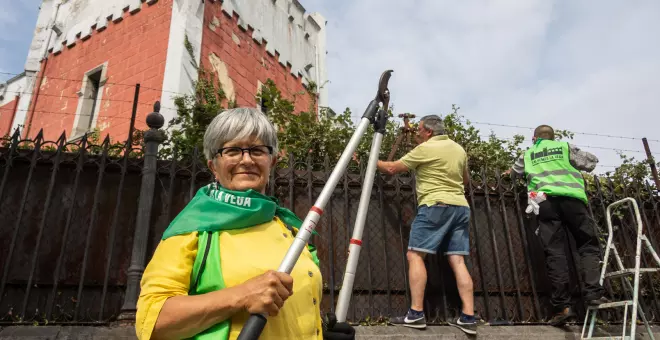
{"x": 434, "y": 123}
{"x": 238, "y": 123}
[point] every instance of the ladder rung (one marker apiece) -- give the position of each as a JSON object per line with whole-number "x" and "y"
{"x": 630, "y": 271}
{"x": 612, "y": 304}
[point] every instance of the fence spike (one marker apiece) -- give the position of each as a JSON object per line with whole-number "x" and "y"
{"x": 84, "y": 139}
{"x": 62, "y": 139}
{"x": 40, "y": 134}
{"x": 17, "y": 134}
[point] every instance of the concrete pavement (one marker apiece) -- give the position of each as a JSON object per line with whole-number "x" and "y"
{"x": 363, "y": 333}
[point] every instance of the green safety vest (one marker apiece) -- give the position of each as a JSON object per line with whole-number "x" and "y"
{"x": 549, "y": 170}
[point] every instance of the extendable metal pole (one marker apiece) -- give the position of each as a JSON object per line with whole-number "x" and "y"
{"x": 356, "y": 240}
{"x": 256, "y": 323}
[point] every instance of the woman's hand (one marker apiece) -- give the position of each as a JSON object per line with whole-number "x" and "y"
{"x": 266, "y": 293}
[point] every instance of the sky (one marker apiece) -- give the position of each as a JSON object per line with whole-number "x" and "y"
{"x": 589, "y": 66}
{"x": 17, "y": 21}
{"x": 585, "y": 66}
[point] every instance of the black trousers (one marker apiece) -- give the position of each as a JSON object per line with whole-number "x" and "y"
{"x": 556, "y": 216}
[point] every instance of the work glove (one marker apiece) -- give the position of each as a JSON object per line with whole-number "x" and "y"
{"x": 333, "y": 330}
{"x": 533, "y": 200}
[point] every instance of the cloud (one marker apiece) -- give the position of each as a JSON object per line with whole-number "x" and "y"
{"x": 588, "y": 66}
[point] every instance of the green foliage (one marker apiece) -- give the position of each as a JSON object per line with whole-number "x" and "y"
{"x": 194, "y": 113}
{"x": 629, "y": 178}
{"x": 317, "y": 137}
{"x": 303, "y": 134}
{"x": 491, "y": 152}
{"x": 189, "y": 48}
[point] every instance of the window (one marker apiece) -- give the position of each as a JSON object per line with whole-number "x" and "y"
{"x": 94, "y": 83}
{"x": 262, "y": 103}
{"x": 89, "y": 103}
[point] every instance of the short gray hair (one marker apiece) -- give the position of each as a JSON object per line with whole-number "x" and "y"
{"x": 434, "y": 123}
{"x": 238, "y": 123}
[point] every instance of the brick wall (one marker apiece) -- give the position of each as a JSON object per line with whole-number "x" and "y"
{"x": 135, "y": 50}
{"x": 7, "y": 116}
{"x": 231, "y": 51}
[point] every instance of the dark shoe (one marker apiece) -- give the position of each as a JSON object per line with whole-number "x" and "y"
{"x": 560, "y": 318}
{"x": 410, "y": 321}
{"x": 467, "y": 327}
{"x": 597, "y": 302}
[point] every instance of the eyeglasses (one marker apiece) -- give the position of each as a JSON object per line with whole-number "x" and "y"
{"x": 256, "y": 152}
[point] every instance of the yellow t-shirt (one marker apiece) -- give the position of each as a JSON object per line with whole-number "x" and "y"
{"x": 251, "y": 252}
{"x": 438, "y": 164}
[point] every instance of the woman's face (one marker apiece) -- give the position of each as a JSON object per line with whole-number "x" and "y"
{"x": 240, "y": 171}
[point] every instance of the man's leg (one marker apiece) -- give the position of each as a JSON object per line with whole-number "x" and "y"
{"x": 580, "y": 225}
{"x": 553, "y": 238}
{"x": 456, "y": 246}
{"x": 463, "y": 282}
{"x": 425, "y": 237}
{"x": 417, "y": 277}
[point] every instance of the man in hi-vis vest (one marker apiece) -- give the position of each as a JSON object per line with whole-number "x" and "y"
{"x": 553, "y": 168}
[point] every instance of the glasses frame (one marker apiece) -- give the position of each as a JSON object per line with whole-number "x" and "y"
{"x": 249, "y": 150}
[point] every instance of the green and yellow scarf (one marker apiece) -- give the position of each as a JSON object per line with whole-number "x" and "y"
{"x": 215, "y": 208}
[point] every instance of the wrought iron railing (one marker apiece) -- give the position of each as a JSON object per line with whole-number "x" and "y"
{"x": 78, "y": 222}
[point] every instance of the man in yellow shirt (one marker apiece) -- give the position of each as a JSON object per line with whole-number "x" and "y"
{"x": 443, "y": 218}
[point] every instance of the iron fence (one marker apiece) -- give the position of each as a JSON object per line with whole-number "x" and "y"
{"x": 79, "y": 220}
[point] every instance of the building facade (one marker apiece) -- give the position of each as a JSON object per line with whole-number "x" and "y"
{"x": 87, "y": 56}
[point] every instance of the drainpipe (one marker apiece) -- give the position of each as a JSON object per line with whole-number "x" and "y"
{"x": 42, "y": 69}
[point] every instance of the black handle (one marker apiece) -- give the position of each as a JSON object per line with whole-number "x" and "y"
{"x": 253, "y": 327}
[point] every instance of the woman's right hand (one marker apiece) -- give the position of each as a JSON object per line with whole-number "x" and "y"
{"x": 266, "y": 293}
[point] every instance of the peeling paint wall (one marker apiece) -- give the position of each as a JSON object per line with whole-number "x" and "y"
{"x": 12, "y": 88}
{"x": 220, "y": 69}
{"x": 80, "y": 19}
{"x": 284, "y": 28}
{"x": 19, "y": 86}
{"x": 129, "y": 51}
{"x": 256, "y": 40}
{"x": 245, "y": 42}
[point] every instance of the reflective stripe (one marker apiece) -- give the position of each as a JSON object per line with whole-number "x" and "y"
{"x": 560, "y": 172}
{"x": 560, "y": 184}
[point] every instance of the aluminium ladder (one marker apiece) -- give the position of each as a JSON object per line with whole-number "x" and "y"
{"x": 622, "y": 271}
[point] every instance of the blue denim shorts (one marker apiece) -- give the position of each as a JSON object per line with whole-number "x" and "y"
{"x": 441, "y": 227}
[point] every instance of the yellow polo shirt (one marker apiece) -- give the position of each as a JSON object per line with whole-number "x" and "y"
{"x": 438, "y": 164}
{"x": 251, "y": 252}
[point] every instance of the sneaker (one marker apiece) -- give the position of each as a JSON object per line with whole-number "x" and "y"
{"x": 467, "y": 327}
{"x": 410, "y": 320}
{"x": 560, "y": 318}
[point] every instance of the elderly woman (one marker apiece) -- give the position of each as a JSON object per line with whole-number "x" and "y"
{"x": 215, "y": 263}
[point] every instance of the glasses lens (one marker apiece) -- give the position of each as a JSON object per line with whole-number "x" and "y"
{"x": 231, "y": 152}
{"x": 259, "y": 151}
